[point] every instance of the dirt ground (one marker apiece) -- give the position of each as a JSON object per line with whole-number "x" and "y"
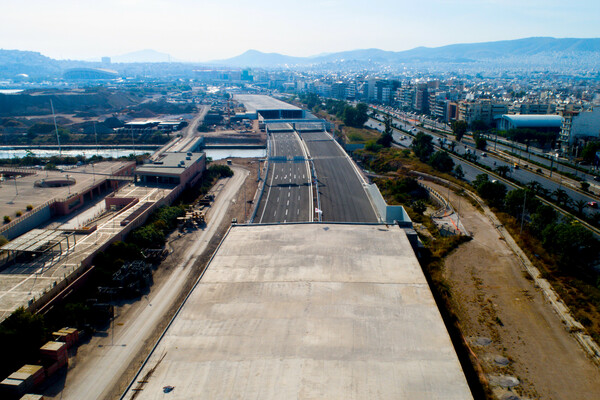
{"x": 508, "y": 324}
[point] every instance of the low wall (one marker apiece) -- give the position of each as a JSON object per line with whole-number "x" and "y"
{"x": 27, "y": 222}
{"x": 387, "y": 213}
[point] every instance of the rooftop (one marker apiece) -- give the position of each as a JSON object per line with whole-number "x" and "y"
{"x": 255, "y": 102}
{"x": 329, "y": 311}
{"x": 170, "y": 163}
{"x": 525, "y": 120}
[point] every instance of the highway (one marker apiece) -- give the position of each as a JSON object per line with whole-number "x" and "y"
{"x": 342, "y": 195}
{"x": 288, "y": 195}
{"x": 521, "y": 175}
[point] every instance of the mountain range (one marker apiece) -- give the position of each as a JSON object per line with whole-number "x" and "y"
{"x": 563, "y": 54}
{"x": 466, "y": 52}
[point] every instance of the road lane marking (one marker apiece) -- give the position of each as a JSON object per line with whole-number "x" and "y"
{"x": 286, "y": 211}
{"x": 288, "y": 203}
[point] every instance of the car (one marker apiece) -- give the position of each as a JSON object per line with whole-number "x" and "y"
{"x": 483, "y": 155}
{"x": 597, "y": 178}
{"x": 592, "y": 204}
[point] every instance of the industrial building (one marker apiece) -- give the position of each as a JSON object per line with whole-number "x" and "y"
{"x": 265, "y": 107}
{"x": 328, "y": 311}
{"x": 172, "y": 169}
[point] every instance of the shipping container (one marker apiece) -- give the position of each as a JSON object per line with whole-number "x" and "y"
{"x": 54, "y": 350}
{"x": 12, "y": 388}
{"x": 32, "y": 397}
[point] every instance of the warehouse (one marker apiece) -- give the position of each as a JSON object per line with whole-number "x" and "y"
{"x": 266, "y": 107}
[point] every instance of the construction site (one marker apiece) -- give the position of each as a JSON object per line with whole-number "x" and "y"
{"x": 57, "y": 221}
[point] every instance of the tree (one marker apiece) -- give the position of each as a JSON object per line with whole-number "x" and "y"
{"x": 544, "y": 215}
{"x": 422, "y": 146}
{"x": 562, "y": 198}
{"x": 386, "y": 138}
{"x": 503, "y": 170}
{"x": 479, "y": 126}
{"x": 516, "y": 199}
{"x": 585, "y": 186}
{"x": 459, "y": 128}
{"x": 589, "y": 152}
{"x": 479, "y": 180}
{"x": 419, "y": 207}
{"x": 493, "y": 192}
{"x": 575, "y": 246}
{"x": 362, "y": 114}
{"x": 480, "y": 142}
{"x": 458, "y": 172}
{"x": 580, "y": 205}
{"x": 441, "y": 161}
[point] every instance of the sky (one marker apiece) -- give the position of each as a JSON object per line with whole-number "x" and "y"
{"x": 205, "y": 30}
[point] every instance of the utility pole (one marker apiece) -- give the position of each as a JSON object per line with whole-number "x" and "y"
{"x": 56, "y": 129}
{"x": 96, "y": 137}
{"x": 523, "y": 213}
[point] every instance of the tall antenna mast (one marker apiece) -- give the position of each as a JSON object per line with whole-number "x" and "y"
{"x": 96, "y": 137}
{"x": 56, "y": 129}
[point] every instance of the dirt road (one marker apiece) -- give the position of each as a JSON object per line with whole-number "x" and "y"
{"x": 99, "y": 365}
{"x": 507, "y": 321}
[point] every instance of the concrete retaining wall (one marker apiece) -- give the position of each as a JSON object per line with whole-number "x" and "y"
{"x": 387, "y": 213}
{"x": 27, "y": 222}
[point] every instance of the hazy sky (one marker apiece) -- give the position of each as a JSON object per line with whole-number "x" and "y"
{"x": 202, "y": 30}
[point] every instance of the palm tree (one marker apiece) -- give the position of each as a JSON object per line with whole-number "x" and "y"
{"x": 562, "y": 198}
{"x": 580, "y": 205}
{"x": 503, "y": 170}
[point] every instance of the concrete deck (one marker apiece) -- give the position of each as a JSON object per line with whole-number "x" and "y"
{"x": 22, "y": 283}
{"x": 17, "y": 197}
{"x": 308, "y": 311}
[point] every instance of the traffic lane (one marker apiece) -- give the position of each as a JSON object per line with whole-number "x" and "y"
{"x": 524, "y": 176}
{"x": 544, "y": 160}
{"x": 287, "y": 190}
{"x": 289, "y": 195}
{"x": 342, "y": 196}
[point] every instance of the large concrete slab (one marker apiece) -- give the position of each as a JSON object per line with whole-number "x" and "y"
{"x": 308, "y": 311}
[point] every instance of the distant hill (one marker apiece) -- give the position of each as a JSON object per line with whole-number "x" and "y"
{"x": 529, "y": 47}
{"x": 33, "y": 64}
{"x": 142, "y": 56}
{"x": 256, "y": 58}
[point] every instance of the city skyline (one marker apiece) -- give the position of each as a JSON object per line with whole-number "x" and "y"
{"x": 205, "y": 31}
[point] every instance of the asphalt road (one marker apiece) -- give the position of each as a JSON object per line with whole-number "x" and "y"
{"x": 288, "y": 190}
{"x": 341, "y": 193}
{"x": 522, "y": 175}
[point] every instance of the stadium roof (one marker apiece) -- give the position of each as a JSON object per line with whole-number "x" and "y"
{"x": 534, "y": 121}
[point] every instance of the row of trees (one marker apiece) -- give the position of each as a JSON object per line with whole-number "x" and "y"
{"x": 351, "y": 116}
{"x": 575, "y": 246}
